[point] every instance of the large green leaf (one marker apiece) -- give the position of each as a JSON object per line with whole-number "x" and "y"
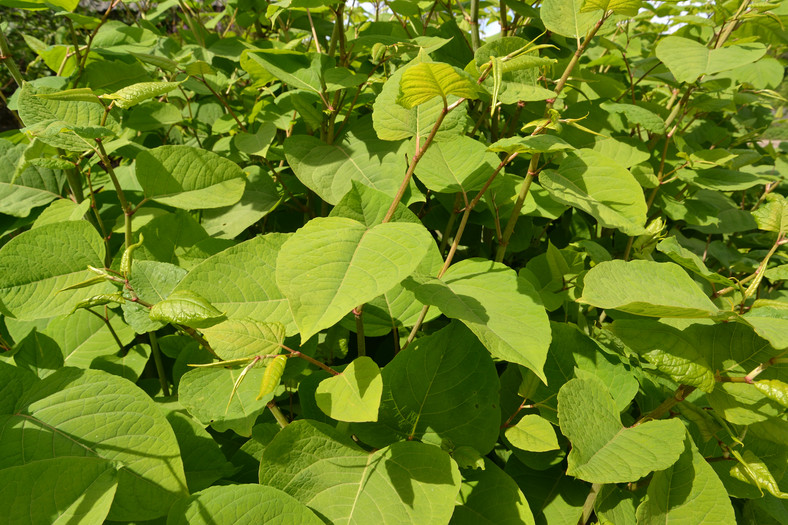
{"x": 566, "y": 18}
{"x": 645, "y": 288}
{"x": 680, "y": 354}
{"x": 407, "y": 482}
{"x": 240, "y": 282}
{"x": 533, "y": 433}
{"x": 688, "y": 59}
{"x": 574, "y": 354}
{"x": 671, "y": 247}
{"x": 688, "y": 492}
{"x": 89, "y": 413}
{"x": 329, "y": 169}
{"x": 207, "y": 393}
{"x": 36, "y": 265}
{"x": 769, "y": 323}
{"x": 353, "y": 395}
{"x": 623, "y": 7}
{"x": 603, "y": 450}
{"x": 599, "y": 186}
{"x": 489, "y": 496}
{"x": 334, "y": 264}
{"x": 299, "y": 70}
{"x": 394, "y": 122}
{"x": 463, "y": 164}
{"x": 26, "y": 187}
{"x": 501, "y": 308}
{"x": 425, "y": 81}
{"x": 152, "y": 282}
{"x": 189, "y": 178}
{"x": 442, "y": 389}
{"x": 241, "y": 505}
{"x": 243, "y": 338}
{"x": 60, "y": 490}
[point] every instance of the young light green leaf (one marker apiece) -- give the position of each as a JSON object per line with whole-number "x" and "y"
{"x": 333, "y": 264}
{"x": 126, "y": 259}
{"x": 688, "y": 491}
{"x": 752, "y": 469}
{"x": 532, "y": 433}
{"x": 187, "y": 308}
{"x": 603, "y": 450}
{"x": 99, "y": 300}
{"x": 73, "y": 95}
{"x": 772, "y": 216}
{"x": 353, "y": 395}
{"x": 244, "y": 338}
{"x": 62, "y": 252}
{"x": 246, "y": 504}
{"x": 325, "y": 470}
{"x": 599, "y": 186}
{"x": 423, "y": 82}
{"x": 531, "y": 144}
{"x": 774, "y": 389}
{"x": 189, "y": 178}
{"x": 645, "y": 288}
{"x": 134, "y": 94}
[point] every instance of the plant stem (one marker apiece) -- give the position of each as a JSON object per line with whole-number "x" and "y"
{"x": 109, "y": 327}
{"x": 297, "y": 353}
{"x": 8, "y": 60}
{"x": 518, "y": 205}
{"x": 474, "y": 22}
{"x": 124, "y": 204}
{"x": 278, "y": 415}
{"x": 154, "y": 347}
{"x": 681, "y": 394}
{"x": 357, "y": 313}
{"x": 588, "y": 506}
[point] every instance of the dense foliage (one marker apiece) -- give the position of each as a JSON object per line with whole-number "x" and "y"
{"x": 309, "y": 261}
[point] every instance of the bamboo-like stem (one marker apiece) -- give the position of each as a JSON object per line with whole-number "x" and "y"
{"x": 474, "y": 22}
{"x": 310, "y": 359}
{"x": 278, "y": 415}
{"x": 518, "y": 205}
{"x": 8, "y": 60}
{"x": 680, "y": 395}
{"x": 154, "y": 347}
{"x": 358, "y": 312}
{"x": 127, "y": 211}
{"x": 588, "y": 505}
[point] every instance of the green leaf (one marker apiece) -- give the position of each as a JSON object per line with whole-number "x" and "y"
{"x": 62, "y": 252}
{"x": 442, "y": 389}
{"x": 244, "y": 338}
{"x": 599, "y": 186}
{"x": 531, "y": 144}
{"x": 463, "y": 164}
{"x": 769, "y": 323}
{"x": 688, "y": 59}
{"x": 689, "y": 491}
{"x": 772, "y": 216}
{"x": 27, "y": 186}
{"x": 205, "y": 393}
{"x": 333, "y": 264}
{"x": 330, "y": 169}
{"x": 187, "y": 308}
{"x": 241, "y": 505}
{"x": 62, "y": 210}
{"x": 153, "y": 282}
{"x": 533, "y": 433}
{"x": 680, "y": 354}
{"x": 394, "y": 122}
{"x": 566, "y": 18}
{"x": 89, "y": 413}
{"x": 74, "y": 490}
{"x": 353, "y": 395}
{"x": 774, "y": 389}
{"x": 603, "y": 450}
{"x": 425, "y": 81}
{"x": 134, "y": 94}
{"x": 621, "y": 7}
{"x": 488, "y": 496}
{"x": 407, "y": 482}
{"x": 752, "y": 469}
{"x": 240, "y": 281}
{"x": 645, "y": 288}
{"x": 189, "y": 178}
{"x": 501, "y": 308}
{"x": 671, "y": 247}
{"x": 636, "y": 115}
{"x": 298, "y": 70}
